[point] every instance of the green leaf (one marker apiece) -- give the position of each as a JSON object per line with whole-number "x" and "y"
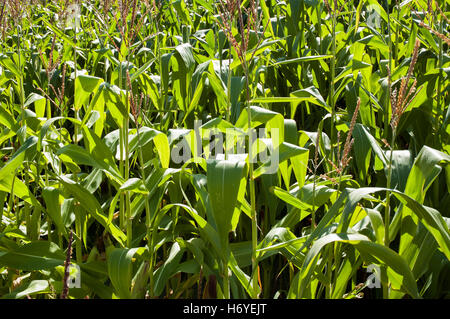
{"x": 52, "y": 201}
{"x": 259, "y": 116}
{"x": 168, "y": 269}
{"x": 432, "y": 220}
{"x": 120, "y": 269}
{"x": 82, "y": 157}
{"x": 365, "y": 137}
{"x": 425, "y": 169}
{"x": 243, "y": 278}
{"x": 33, "y": 288}
{"x": 290, "y": 199}
{"x": 160, "y": 140}
{"x": 8, "y": 175}
{"x": 281, "y": 154}
{"x": 84, "y": 86}
{"x": 37, "y": 255}
{"x": 206, "y": 230}
{"x": 101, "y": 153}
{"x": 91, "y": 205}
{"x": 224, "y": 181}
{"x": 135, "y": 185}
{"x": 277, "y": 99}
{"x": 141, "y": 70}
{"x": 303, "y": 59}
{"x": 398, "y": 270}
{"x": 9, "y": 63}
{"x": 44, "y": 129}
{"x": 185, "y": 51}
{"x": 39, "y": 103}
{"x": 115, "y": 104}
{"x": 7, "y": 119}
{"x": 310, "y": 94}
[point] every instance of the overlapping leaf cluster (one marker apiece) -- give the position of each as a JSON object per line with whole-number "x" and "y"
{"x": 100, "y": 99}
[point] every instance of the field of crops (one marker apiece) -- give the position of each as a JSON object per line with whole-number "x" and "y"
{"x": 224, "y": 149}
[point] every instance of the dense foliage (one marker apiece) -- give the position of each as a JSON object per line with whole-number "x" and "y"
{"x": 115, "y": 117}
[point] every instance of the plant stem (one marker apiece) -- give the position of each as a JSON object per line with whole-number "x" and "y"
{"x": 2, "y": 205}
{"x": 21, "y": 93}
{"x": 387, "y": 102}
{"x": 229, "y": 87}
{"x": 78, "y": 230}
{"x": 329, "y": 272}
{"x": 226, "y": 281}
{"x": 126, "y": 124}
{"x": 121, "y": 162}
{"x": 388, "y": 186}
{"x": 162, "y": 97}
{"x": 127, "y": 175}
{"x": 22, "y": 107}
{"x": 332, "y": 69}
{"x": 387, "y": 212}
{"x": 439, "y": 109}
{"x": 254, "y": 279}
{"x": 397, "y": 30}
{"x": 313, "y": 213}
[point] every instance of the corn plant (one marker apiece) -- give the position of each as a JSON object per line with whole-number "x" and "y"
{"x": 224, "y": 149}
